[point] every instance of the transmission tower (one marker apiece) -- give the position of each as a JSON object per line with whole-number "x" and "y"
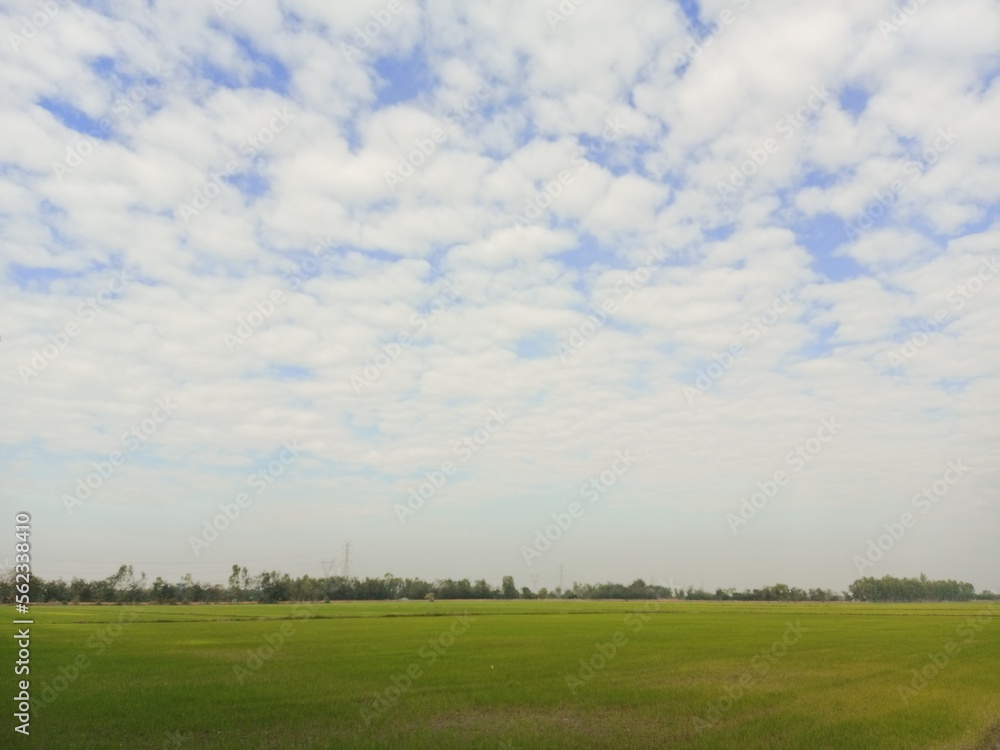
{"x": 347, "y": 560}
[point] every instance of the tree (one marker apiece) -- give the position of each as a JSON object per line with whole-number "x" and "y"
{"x": 109, "y": 588}
{"x": 234, "y": 582}
{"x": 482, "y": 590}
{"x": 507, "y": 588}
{"x": 890, "y": 589}
{"x": 81, "y": 590}
{"x": 638, "y": 589}
{"x": 276, "y": 587}
{"x": 162, "y": 591}
{"x": 781, "y": 592}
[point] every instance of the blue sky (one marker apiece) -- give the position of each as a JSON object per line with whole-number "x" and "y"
{"x": 369, "y": 233}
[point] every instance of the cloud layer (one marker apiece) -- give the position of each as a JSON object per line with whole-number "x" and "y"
{"x": 692, "y": 233}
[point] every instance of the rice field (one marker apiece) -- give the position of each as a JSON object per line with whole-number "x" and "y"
{"x": 516, "y": 674}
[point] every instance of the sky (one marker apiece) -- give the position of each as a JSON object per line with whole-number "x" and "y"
{"x": 699, "y": 293}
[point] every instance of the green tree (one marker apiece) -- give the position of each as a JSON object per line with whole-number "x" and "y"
{"x": 507, "y": 588}
{"x": 482, "y": 590}
{"x": 162, "y": 591}
{"x": 234, "y": 582}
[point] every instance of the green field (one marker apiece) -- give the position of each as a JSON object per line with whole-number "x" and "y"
{"x": 499, "y": 674}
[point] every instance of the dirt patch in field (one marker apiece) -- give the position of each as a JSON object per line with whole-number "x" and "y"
{"x": 593, "y": 728}
{"x": 992, "y": 739}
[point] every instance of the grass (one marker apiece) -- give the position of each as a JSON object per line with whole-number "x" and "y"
{"x": 184, "y": 676}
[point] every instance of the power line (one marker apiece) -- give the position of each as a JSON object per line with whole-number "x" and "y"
{"x": 304, "y": 558}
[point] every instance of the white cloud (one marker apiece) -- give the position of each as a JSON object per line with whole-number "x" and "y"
{"x": 520, "y": 103}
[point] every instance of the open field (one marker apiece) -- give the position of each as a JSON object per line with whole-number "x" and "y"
{"x": 498, "y": 674}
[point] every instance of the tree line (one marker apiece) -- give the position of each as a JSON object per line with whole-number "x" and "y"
{"x": 889, "y": 589}
{"x": 274, "y": 586}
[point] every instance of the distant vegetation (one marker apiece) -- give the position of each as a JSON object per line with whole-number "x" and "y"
{"x": 889, "y": 589}
{"x": 272, "y": 586}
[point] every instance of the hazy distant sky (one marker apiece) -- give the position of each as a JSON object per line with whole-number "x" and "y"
{"x": 776, "y": 218}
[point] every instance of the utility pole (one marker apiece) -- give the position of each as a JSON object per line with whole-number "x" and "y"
{"x": 560, "y": 577}
{"x": 347, "y": 560}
